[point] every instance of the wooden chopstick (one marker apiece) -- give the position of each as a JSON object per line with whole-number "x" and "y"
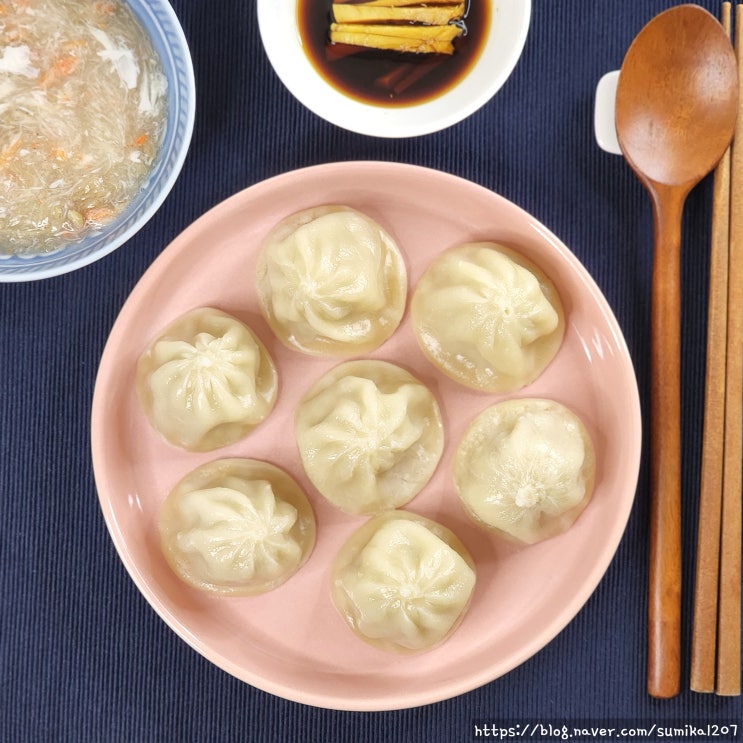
{"x": 729, "y": 609}
{"x": 704, "y": 634}
{"x": 716, "y": 659}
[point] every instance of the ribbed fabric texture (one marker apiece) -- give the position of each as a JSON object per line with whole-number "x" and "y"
{"x": 82, "y": 655}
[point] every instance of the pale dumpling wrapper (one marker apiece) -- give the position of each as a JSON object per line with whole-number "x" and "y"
{"x": 236, "y": 527}
{"x": 330, "y": 280}
{"x": 525, "y": 469}
{"x": 487, "y": 317}
{"x": 370, "y": 436}
{"x": 206, "y": 381}
{"x": 402, "y": 582}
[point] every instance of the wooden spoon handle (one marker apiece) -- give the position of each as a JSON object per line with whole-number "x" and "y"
{"x": 664, "y": 589}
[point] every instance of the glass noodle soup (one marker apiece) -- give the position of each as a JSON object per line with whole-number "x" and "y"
{"x": 83, "y": 104}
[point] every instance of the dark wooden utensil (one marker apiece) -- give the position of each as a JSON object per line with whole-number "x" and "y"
{"x": 676, "y": 108}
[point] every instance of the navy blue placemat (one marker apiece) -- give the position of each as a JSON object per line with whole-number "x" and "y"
{"x": 82, "y": 655}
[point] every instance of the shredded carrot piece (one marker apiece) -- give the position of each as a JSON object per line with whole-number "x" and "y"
{"x": 98, "y": 214}
{"x": 65, "y": 65}
{"x": 7, "y": 154}
{"x": 61, "y": 67}
{"x": 140, "y": 140}
{"x": 104, "y": 8}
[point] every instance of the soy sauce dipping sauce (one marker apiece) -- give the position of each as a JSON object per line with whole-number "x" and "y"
{"x": 390, "y": 78}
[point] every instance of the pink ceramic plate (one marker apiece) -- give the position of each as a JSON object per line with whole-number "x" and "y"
{"x": 291, "y": 642}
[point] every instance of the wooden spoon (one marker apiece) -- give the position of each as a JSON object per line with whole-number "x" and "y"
{"x": 676, "y": 107}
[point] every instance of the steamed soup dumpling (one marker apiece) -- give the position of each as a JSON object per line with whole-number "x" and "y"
{"x": 236, "y": 527}
{"x": 206, "y": 381}
{"x": 525, "y": 469}
{"x": 370, "y": 436}
{"x": 487, "y": 317}
{"x": 403, "y": 582}
{"x": 330, "y": 280}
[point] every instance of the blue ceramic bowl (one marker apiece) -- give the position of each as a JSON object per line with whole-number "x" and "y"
{"x": 159, "y": 20}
